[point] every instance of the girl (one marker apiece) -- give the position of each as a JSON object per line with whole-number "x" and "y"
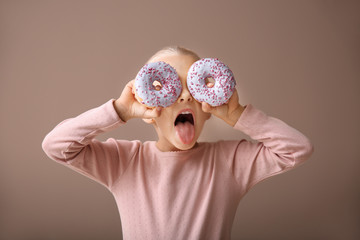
{"x": 176, "y": 187}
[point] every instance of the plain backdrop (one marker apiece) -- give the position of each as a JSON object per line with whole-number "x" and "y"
{"x": 295, "y": 60}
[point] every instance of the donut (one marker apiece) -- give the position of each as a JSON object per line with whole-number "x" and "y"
{"x": 147, "y": 93}
{"x": 224, "y": 85}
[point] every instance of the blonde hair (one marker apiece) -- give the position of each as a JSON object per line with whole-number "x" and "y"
{"x": 172, "y": 50}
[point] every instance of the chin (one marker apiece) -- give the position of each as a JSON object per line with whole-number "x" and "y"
{"x": 184, "y": 147}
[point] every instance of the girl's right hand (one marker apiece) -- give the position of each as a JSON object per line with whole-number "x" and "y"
{"x": 128, "y": 107}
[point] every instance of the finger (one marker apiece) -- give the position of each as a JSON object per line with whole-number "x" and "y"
{"x": 210, "y": 84}
{"x": 207, "y": 108}
{"x": 129, "y": 94}
{"x": 131, "y": 85}
{"x": 233, "y": 101}
{"x": 152, "y": 113}
{"x": 128, "y": 89}
{"x": 234, "y": 97}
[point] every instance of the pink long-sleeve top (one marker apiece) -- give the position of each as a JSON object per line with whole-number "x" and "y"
{"x": 189, "y": 194}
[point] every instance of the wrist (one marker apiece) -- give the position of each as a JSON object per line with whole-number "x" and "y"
{"x": 234, "y": 115}
{"x": 121, "y": 110}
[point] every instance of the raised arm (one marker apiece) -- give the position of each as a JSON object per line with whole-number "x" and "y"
{"x": 278, "y": 146}
{"x": 73, "y": 142}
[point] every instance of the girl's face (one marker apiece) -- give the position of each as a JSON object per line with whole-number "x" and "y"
{"x": 179, "y": 125}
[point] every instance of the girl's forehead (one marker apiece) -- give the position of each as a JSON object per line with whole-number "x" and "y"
{"x": 180, "y": 62}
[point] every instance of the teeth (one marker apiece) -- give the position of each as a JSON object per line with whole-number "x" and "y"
{"x": 185, "y": 113}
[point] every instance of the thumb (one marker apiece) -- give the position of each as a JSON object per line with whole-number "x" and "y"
{"x": 219, "y": 111}
{"x": 152, "y": 113}
{"x": 207, "y": 108}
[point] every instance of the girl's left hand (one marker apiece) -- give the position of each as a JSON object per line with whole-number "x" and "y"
{"x": 229, "y": 112}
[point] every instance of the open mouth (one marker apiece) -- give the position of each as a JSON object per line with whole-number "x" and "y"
{"x": 184, "y": 127}
{"x": 184, "y": 117}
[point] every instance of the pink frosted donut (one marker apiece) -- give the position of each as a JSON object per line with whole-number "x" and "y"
{"x": 224, "y": 86}
{"x": 145, "y": 90}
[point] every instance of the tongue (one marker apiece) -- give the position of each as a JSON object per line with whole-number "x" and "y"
{"x": 185, "y": 132}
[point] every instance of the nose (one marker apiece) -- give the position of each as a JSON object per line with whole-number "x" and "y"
{"x": 185, "y": 95}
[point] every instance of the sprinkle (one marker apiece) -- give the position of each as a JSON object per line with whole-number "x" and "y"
{"x": 224, "y": 86}
{"x": 168, "y": 78}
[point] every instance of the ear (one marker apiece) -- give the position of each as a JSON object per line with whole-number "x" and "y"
{"x": 149, "y": 120}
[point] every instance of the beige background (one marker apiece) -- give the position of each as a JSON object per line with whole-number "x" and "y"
{"x": 296, "y": 60}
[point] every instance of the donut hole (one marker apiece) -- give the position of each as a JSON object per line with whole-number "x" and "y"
{"x": 157, "y": 85}
{"x": 209, "y": 82}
